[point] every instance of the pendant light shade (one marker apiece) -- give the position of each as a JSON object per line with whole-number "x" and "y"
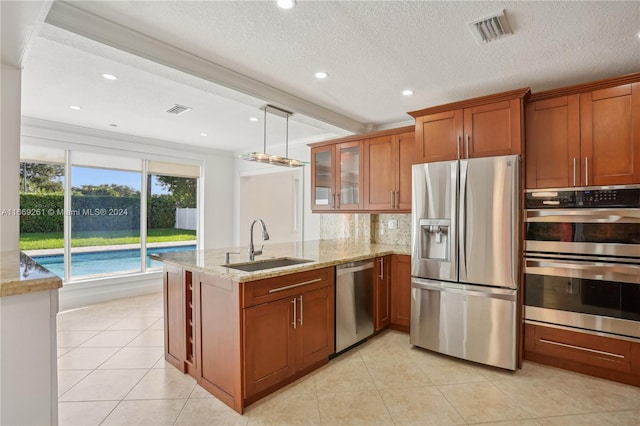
{"x": 274, "y": 159}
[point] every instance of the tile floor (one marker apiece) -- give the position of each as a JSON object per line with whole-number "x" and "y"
{"x": 112, "y": 372}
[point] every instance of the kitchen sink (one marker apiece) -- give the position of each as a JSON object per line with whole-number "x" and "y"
{"x": 261, "y": 265}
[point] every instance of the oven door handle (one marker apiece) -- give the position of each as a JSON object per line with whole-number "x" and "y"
{"x": 584, "y": 216}
{"x": 584, "y": 270}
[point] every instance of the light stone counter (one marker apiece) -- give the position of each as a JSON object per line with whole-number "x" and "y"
{"x": 320, "y": 253}
{"x": 20, "y": 274}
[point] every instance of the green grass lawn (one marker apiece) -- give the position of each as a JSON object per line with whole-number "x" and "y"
{"x": 54, "y": 240}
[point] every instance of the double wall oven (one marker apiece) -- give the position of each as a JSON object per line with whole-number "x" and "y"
{"x": 582, "y": 259}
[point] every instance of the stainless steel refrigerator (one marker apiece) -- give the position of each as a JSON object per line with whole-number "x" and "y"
{"x": 465, "y": 261}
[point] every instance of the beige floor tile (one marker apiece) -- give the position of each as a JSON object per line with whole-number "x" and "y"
{"x": 149, "y": 338}
{"x": 133, "y": 323}
{"x": 151, "y": 412}
{"x": 482, "y": 402}
{"x": 158, "y": 325}
{"x": 540, "y": 397}
{"x": 209, "y": 411}
{"x": 110, "y": 338}
{"x": 420, "y": 406}
{"x": 384, "y": 347}
{"x": 68, "y": 378}
{"x": 353, "y": 408}
{"x": 288, "y": 408}
{"x": 71, "y": 339}
{"x": 162, "y": 363}
{"x": 134, "y": 358}
{"x": 597, "y": 395}
{"x": 393, "y": 374}
{"x": 84, "y": 413}
{"x": 575, "y": 420}
{"x": 453, "y": 372}
{"x": 85, "y": 358}
{"x": 623, "y": 418}
{"x": 149, "y": 311}
{"x": 166, "y": 383}
{"x": 86, "y": 323}
{"x": 62, "y": 351}
{"x": 104, "y": 385}
{"x": 525, "y": 422}
{"x": 344, "y": 375}
{"x": 199, "y": 392}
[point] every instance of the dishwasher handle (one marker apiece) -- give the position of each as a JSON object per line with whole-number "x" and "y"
{"x": 350, "y": 268}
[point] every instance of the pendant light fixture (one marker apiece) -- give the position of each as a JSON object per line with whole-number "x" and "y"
{"x": 274, "y": 159}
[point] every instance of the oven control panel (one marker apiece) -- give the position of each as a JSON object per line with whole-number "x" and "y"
{"x": 584, "y": 198}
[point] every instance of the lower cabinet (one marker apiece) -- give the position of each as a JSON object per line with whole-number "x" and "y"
{"x": 288, "y": 328}
{"x": 606, "y": 357}
{"x": 400, "y": 292}
{"x": 175, "y": 342}
{"x": 382, "y": 293}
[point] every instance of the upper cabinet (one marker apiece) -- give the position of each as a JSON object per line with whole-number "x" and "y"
{"x": 584, "y": 135}
{"x": 387, "y": 172}
{"x": 369, "y": 172}
{"x": 480, "y": 127}
{"x": 336, "y": 176}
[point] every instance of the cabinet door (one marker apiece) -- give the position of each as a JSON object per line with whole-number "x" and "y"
{"x": 349, "y": 173}
{"x": 269, "y": 347}
{"x": 315, "y": 329}
{"x": 322, "y": 178}
{"x": 610, "y": 135}
{"x": 439, "y": 136}
{"x": 382, "y": 315}
{"x": 175, "y": 343}
{"x": 553, "y": 142}
{"x": 493, "y": 129}
{"x": 380, "y": 173}
{"x": 406, "y": 158}
{"x": 401, "y": 292}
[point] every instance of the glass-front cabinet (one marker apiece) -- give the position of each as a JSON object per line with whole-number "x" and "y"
{"x": 336, "y": 177}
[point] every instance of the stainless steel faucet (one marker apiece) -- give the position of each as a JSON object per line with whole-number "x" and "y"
{"x": 265, "y": 236}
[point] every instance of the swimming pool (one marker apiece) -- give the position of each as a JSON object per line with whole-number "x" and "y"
{"x": 105, "y": 262}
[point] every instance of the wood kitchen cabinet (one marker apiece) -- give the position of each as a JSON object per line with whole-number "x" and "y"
{"x": 336, "y": 177}
{"x": 480, "y": 127}
{"x": 606, "y": 357}
{"x": 400, "y": 292}
{"x": 387, "y": 172}
{"x": 288, "y": 325}
{"x": 175, "y": 312}
{"x": 382, "y": 293}
{"x": 584, "y": 135}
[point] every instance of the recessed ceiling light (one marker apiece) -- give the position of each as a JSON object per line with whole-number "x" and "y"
{"x": 321, "y": 75}
{"x": 253, "y": 119}
{"x": 407, "y": 92}
{"x": 109, "y": 77}
{"x": 74, "y": 107}
{"x": 286, "y": 4}
{"x": 113, "y": 125}
{"x": 203, "y": 134}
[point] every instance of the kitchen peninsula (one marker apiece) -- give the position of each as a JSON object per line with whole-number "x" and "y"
{"x": 242, "y": 334}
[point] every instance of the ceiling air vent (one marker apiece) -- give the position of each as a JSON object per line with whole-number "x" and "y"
{"x": 490, "y": 28}
{"x": 178, "y": 109}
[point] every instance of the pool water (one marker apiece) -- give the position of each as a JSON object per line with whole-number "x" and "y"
{"x": 105, "y": 262}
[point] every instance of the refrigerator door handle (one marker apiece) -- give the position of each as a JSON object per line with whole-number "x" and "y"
{"x": 462, "y": 225}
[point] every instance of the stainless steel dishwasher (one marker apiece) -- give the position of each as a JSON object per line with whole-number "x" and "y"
{"x": 354, "y": 303}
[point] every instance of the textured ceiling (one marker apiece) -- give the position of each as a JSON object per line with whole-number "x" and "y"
{"x": 371, "y": 50}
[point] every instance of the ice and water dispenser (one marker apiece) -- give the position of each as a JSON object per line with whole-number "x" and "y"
{"x": 434, "y": 239}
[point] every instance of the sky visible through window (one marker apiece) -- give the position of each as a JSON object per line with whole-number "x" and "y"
{"x": 93, "y": 176}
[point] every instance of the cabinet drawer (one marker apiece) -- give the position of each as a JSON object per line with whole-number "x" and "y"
{"x": 267, "y": 290}
{"x": 602, "y": 352}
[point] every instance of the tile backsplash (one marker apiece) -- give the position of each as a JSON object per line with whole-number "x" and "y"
{"x": 367, "y": 227}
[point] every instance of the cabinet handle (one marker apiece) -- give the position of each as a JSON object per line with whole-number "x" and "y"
{"x": 381, "y": 260}
{"x": 393, "y": 199}
{"x": 301, "y": 311}
{"x": 333, "y": 204}
{"x": 295, "y": 314}
{"x": 397, "y": 199}
{"x": 467, "y": 149}
{"x": 338, "y": 198}
{"x": 580, "y": 348}
{"x": 586, "y": 171}
{"x": 574, "y": 171}
{"x": 459, "y": 143}
{"x": 276, "y": 290}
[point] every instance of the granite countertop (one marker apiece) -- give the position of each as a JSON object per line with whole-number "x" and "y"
{"x": 20, "y": 274}
{"x": 320, "y": 253}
